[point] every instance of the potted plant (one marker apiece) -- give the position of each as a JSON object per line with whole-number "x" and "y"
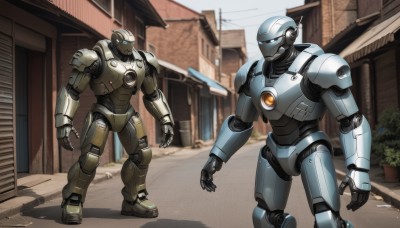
{"x": 386, "y": 140}
{"x": 391, "y": 163}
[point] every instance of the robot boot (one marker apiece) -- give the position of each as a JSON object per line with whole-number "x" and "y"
{"x": 74, "y": 194}
{"x": 135, "y": 195}
{"x": 72, "y": 210}
{"x": 262, "y": 219}
{"x": 141, "y": 207}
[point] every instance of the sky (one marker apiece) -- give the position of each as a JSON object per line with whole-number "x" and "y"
{"x": 244, "y": 14}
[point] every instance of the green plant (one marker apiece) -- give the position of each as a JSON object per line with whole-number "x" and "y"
{"x": 391, "y": 157}
{"x": 386, "y": 136}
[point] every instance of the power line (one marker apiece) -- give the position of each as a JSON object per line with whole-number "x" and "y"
{"x": 237, "y": 11}
{"x": 258, "y": 15}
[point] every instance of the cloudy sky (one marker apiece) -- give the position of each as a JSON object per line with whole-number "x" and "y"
{"x": 244, "y": 14}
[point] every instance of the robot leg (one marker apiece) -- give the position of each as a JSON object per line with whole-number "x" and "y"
{"x": 94, "y": 136}
{"x": 271, "y": 192}
{"x": 319, "y": 180}
{"x": 134, "y": 171}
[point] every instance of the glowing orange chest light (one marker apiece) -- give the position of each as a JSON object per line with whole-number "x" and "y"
{"x": 268, "y": 99}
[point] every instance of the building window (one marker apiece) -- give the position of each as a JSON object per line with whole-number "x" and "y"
{"x": 140, "y": 34}
{"x": 118, "y": 8}
{"x": 114, "y": 8}
{"x": 202, "y": 47}
{"x": 104, "y": 4}
{"x": 208, "y": 52}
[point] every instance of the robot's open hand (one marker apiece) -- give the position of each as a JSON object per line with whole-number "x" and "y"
{"x": 359, "y": 184}
{"x": 212, "y": 165}
{"x": 63, "y": 136}
{"x": 167, "y": 135}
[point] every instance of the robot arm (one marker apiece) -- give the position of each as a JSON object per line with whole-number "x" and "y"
{"x": 236, "y": 130}
{"x": 83, "y": 62}
{"x": 332, "y": 74}
{"x": 154, "y": 99}
{"x": 234, "y": 133}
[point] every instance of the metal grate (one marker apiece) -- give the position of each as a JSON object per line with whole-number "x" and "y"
{"x": 7, "y": 166}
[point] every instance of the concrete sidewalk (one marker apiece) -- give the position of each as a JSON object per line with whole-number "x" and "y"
{"x": 48, "y": 187}
{"x": 35, "y": 195}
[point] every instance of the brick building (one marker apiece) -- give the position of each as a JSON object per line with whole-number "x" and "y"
{"x": 190, "y": 43}
{"x": 37, "y": 40}
{"x": 234, "y": 55}
{"x": 366, "y": 34}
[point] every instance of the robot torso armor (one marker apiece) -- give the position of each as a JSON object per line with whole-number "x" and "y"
{"x": 118, "y": 80}
{"x": 289, "y": 97}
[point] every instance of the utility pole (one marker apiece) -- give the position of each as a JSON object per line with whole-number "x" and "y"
{"x": 220, "y": 46}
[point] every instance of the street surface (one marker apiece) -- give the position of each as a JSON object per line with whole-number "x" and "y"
{"x": 173, "y": 184}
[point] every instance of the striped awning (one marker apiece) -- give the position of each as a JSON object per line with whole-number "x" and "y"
{"x": 215, "y": 87}
{"x": 373, "y": 39}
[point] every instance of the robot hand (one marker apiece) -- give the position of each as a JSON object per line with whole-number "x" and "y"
{"x": 212, "y": 165}
{"x": 63, "y": 136}
{"x": 359, "y": 184}
{"x": 167, "y": 135}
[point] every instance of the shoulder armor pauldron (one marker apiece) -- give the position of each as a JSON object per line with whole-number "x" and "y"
{"x": 329, "y": 70}
{"x": 83, "y": 58}
{"x": 242, "y": 74}
{"x": 151, "y": 59}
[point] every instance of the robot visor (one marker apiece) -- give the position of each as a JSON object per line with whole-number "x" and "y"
{"x": 271, "y": 41}
{"x": 126, "y": 47}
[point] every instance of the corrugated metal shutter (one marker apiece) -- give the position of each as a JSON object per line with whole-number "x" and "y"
{"x": 7, "y": 166}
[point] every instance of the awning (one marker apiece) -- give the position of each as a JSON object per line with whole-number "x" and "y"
{"x": 172, "y": 67}
{"x": 373, "y": 39}
{"x": 350, "y": 33}
{"x": 214, "y": 87}
{"x": 182, "y": 74}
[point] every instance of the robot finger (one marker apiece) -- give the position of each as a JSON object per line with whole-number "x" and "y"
{"x": 163, "y": 139}
{"x": 343, "y": 185}
{"x": 356, "y": 201}
{"x": 67, "y": 144}
{"x": 211, "y": 186}
{"x": 350, "y": 206}
{"x": 169, "y": 140}
{"x": 162, "y": 143}
{"x": 73, "y": 129}
{"x": 208, "y": 188}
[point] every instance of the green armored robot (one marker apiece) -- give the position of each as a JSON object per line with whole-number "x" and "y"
{"x": 115, "y": 71}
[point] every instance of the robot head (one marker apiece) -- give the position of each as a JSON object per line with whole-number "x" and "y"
{"x": 124, "y": 40}
{"x": 275, "y": 36}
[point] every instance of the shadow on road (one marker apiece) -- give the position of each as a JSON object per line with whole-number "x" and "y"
{"x": 174, "y": 223}
{"x": 54, "y": 213}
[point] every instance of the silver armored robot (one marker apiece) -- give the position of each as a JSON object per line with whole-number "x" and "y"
{"x": 115, "y": 71}
{"x": 291, "y": 87}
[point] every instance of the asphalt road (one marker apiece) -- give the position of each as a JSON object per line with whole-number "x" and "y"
{"x": 173, "y": 184}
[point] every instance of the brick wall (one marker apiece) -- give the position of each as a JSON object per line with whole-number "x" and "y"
{"x": 169, "y": 9}
{"x": 177, "y": 44}
{"x": 231, "y": 61}
{"x": 336, "y": 16}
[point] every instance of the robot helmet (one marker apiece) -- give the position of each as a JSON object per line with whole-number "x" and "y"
{"x": 275, "y": 36}
{"x": 123, "y": 40}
